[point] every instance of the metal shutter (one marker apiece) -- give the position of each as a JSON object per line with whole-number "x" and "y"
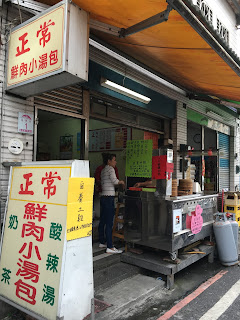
{"x": 67, "y": 99}
{"x": 224, "y": 163}
{"x": 107, "y": 108}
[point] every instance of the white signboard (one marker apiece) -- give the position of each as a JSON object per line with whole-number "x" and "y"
{"x": 34, "y": 260}
{"x": 177, "y": 220}
{"x": 25, "y": 123}
{"x": 52, "y": 44}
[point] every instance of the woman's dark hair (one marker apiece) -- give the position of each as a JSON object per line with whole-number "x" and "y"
{"x": 108, "y": 156}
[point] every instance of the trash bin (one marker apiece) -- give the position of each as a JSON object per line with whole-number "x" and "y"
{"x": 226, "y": 235}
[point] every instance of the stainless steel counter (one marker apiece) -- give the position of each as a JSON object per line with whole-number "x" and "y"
{"x": 150, "y": 220}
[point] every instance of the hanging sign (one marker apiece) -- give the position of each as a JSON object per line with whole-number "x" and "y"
{"x": 139, "y": 158}
{"x": 53, "y": 44}
{"x": 79, "y": 208}
{"x": 32, "y": 249}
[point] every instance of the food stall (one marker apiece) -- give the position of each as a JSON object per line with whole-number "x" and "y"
{"x": 158, "y": 222}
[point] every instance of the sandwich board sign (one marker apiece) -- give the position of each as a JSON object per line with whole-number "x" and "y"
{"x": 46, "y": 239}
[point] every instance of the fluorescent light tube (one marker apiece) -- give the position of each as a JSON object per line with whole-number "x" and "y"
{"x": 125, "y": 91}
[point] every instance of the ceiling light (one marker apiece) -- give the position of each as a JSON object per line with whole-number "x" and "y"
{"x": 125, "y": 91}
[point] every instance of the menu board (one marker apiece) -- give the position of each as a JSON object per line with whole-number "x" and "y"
{"x": 109, "y": 139}
{"x": 152, "y": 136}
{"x": 139, "y": 158}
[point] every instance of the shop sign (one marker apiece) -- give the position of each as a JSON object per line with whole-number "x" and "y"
{"x": 139, "y": 158}
{"x": 217, "y": 126}
{"x": 25, "y": 123}
{"x": 32, "y": 249}
{"x": 48, "y": 45}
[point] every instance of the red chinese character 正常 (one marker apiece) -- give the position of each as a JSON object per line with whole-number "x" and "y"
{"x": 30, "y": 229}
{"x": 46, "y": 36}
{"x": 24, "y": 42}
{"x": 50, "y": 189}
{"x": 29, "y": 254}
{"x": 25, "y": 292}
{"x": 53, "y": 56}
{"x": 26, "y": 176}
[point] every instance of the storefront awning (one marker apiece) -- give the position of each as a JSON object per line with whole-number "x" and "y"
{"x": 173, "y": 49}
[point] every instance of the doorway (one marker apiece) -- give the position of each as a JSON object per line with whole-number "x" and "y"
{"x": 58, "y": 136}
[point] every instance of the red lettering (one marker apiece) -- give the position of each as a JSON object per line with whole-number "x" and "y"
{"x": 26, "y": 176}
{"x": 42, "y": 61}
{"x": 46, "y": 36}
{"x": 29, "y": 255}
{"x": 30, "y": 229}
{"x": 24, "y": 42}
{"x": 25, "y": 292}
{"x": 23, "y": 69}
{"x": 50, "y": 189}
{"x": 29, "y": 270}
{"x": 53, "y": 57}
{"x": 14, "y": 72}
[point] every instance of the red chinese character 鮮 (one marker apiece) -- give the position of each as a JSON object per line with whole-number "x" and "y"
{"x": 29, "y": 255}
{"x": 24, "y": 42}
{"x": 25, "y": 292}
{"x": 33, "y": 211}
{"x": 51, "y": 190}
{"x": 30, "y": 229}
{"x": 14, "y": 72}
{"x": 23, "y": 69}
{"x": 29, "y": 270}
{"x": 26, "y": 176}
{"x": 46, "y": 36}
{"x": 32, "y": 65}
{"x": 42, "y": 61}
{"x": 53, "y": 57}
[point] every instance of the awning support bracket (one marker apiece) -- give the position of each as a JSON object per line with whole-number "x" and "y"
{"x": 145, "y": 24}
{"x": 123, "y": 33}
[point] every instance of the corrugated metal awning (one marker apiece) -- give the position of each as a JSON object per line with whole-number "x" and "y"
{"x": 173, "y": 49}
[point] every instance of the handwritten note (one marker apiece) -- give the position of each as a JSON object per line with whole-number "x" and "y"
{"x": 79, "y": 208}
{"x": 139, "y": 158}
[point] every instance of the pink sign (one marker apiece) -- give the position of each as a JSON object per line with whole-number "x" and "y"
{"x": 197, "y": 220}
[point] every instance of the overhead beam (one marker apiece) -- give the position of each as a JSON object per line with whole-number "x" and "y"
{"x": 145, "y": 24}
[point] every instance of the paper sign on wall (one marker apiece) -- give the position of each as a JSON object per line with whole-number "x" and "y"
{"x": 152, "y": 136}
{"x": 32, "y": 248}
{"x": 139, "y": 158}
{"x": 25, "y": 122}
{"x": 197, "y": 220}
{"x": 79, "y": 208}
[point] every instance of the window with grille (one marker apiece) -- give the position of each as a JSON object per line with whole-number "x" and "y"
{"x": 206, "y": 10}
{"x": 222, "y": 31}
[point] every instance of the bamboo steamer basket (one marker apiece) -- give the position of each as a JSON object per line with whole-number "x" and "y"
{"x": 185, "y": 187}
{"x": 174, "y": 188}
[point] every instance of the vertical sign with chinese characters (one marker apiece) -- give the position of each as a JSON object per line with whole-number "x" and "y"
{"x": 79, "y": 209}
{"x": 36, "y": 49}
{"x": 139, "y": 158}
{"x": 34, "y": 234}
